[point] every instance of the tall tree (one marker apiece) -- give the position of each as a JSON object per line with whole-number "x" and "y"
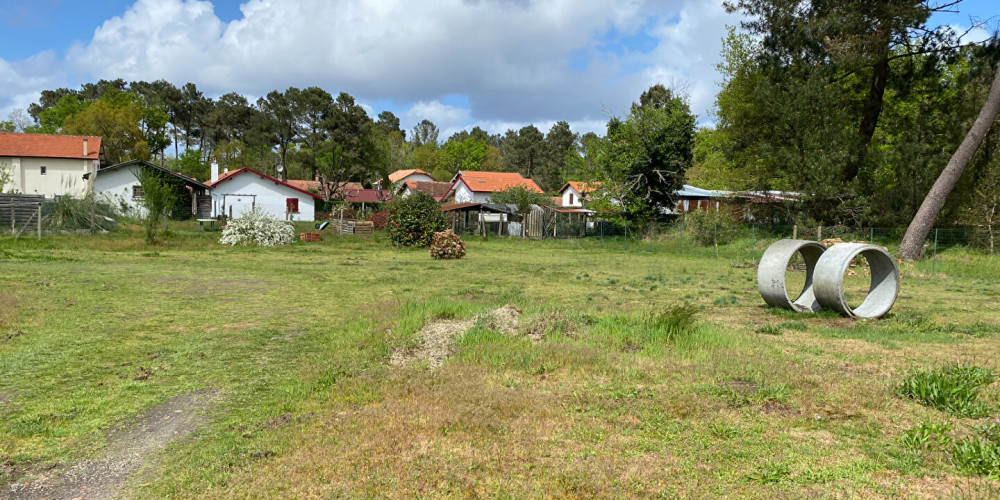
{"x": 314, "y": 109}
{"x": 561, "y": 144}
{"x": 281, "y": 123}
{"x": 913, "y": 242}
{"x": 849, "y": 41}
{"x": 524, "y": 150}
{"x": 643, "y": 161}
{"x": 424, "y": 132}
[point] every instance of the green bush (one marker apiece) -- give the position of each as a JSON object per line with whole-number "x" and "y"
{"x": 710, "y": 226}
{"x": 953, "y": 389}
{"x": 413, "y": 220}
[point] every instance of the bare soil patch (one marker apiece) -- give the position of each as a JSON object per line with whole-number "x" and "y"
{"x": 437, "y": 339}
{"x": 128, "y": 448}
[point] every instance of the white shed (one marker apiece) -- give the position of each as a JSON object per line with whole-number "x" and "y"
{"x": 119, "y": 186}
{"x": 240, "y": 190}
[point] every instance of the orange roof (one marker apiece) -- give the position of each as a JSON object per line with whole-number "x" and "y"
{"x": 402, "y": 174}
{"x": 582, "y": 187}
{"x": 234, "y": 173}
{"x": 314, "y": 185}
{"x": 491, "y": 182}
{"x": 49, "y": 146}
{"x": 436, "y": 189}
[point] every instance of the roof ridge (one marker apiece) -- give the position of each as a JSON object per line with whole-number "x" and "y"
{"x": 53, "y": 135}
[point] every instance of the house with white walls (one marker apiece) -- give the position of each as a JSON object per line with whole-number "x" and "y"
{"x": 240, "y": 190}
{"x": 574, "y": 194}
{"x": 414, "y": 174}
{"x": 50, "y": 165}
{"x": 119, "y": 186}
{"x": 476, "y": 187}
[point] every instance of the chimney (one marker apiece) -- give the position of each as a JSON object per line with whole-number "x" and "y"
{"x": 85, "y": 151}
{"x": 215, "y": 170}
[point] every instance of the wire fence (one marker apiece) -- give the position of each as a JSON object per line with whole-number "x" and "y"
{"x": 744, "y": 244}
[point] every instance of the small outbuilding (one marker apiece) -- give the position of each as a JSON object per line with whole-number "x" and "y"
{"x": 244, "y": 189}
{"x": 119, "y": 186}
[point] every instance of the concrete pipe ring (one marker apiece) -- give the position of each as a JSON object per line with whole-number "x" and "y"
{"x": 771, "y": 274}
{"x": 829, "y": 279}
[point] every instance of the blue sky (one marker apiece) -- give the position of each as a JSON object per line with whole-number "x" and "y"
{"x": 495, "y": 63}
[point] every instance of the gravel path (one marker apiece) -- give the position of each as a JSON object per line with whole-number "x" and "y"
{"x": 128, "y": 448}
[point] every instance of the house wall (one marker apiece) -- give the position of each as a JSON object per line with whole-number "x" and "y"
{"x": 115, "y": 187}
{"x": 576, "y": 198}
{"x": 269, "y": 196}
{"x": 63, "y": 176}
{"x": 416, "y": 177}
{"x": 465, "y": 195}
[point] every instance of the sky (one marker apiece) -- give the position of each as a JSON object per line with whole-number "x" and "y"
{"x": 498, "y": 64}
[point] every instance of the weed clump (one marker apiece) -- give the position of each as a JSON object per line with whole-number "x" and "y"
{"x": 954, "y": 389}
{"x": 671, "y": 323}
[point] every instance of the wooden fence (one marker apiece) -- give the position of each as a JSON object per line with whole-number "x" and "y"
{"x": 19, "y": 210}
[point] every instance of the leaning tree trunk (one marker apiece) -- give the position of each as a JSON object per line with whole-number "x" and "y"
{"x": 916, "y": 234}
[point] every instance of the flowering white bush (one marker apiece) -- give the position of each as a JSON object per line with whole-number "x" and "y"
{"x": 257, "y": 227}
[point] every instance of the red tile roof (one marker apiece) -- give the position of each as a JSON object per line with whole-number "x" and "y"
{"x": 234, "y": 173}
{"x": 402, "y": 174}
{"x": 436, "y": 189}
{"x": 458, "y": 206}
{"x": 49, "y": 146}
{"x": 367, "y": 195}
{"x": 491, "y": 182}
{"x": 314, "y": 185}
{"x": 582, "y": 187}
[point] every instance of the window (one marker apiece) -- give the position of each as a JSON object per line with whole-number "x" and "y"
{"x": 292, "y": 205}
{"x": 42, "y": 169}
{"x": 571, "y": 200}
{"x": 136, "y": 191}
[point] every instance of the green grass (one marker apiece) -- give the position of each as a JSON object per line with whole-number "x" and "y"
{"x": 638, "y": 372}
{"x": 954, "y": 389}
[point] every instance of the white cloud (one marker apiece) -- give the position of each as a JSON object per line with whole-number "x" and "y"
{"x": 21, "y": 81}
{"x": 513, "y": 60}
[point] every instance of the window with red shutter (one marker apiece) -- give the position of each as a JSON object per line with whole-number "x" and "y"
{"x": 292, "y": 205}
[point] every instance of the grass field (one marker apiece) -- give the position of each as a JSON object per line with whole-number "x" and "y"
{"x": 614, "y": 398}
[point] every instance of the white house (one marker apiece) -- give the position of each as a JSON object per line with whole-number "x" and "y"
{"x": 414, "y": 174}
{"x": 240, "y": 190}
{"x": 476, "y": 187}
{"x": 119, "y": 186}
{"x": 575, "y": 193}
{"x": 50, "y": 165}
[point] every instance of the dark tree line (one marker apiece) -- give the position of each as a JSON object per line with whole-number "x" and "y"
{"x": 310, "y": 132}
{"x": 856, "y": 104}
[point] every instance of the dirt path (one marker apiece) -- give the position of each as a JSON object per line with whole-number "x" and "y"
{"x": 128, "y": 447}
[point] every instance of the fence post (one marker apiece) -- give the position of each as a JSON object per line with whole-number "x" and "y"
{"x": 39, "y": 222}
{"x": 934, "y": 259}
{"x": 12, "y": 225}
{"x": 715, "y": 239}
{"x": 819, "y": 233}
{"x": 795, "y": 232}
{"x": 871, "y": 235}
{"x": 683, "y": 223}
